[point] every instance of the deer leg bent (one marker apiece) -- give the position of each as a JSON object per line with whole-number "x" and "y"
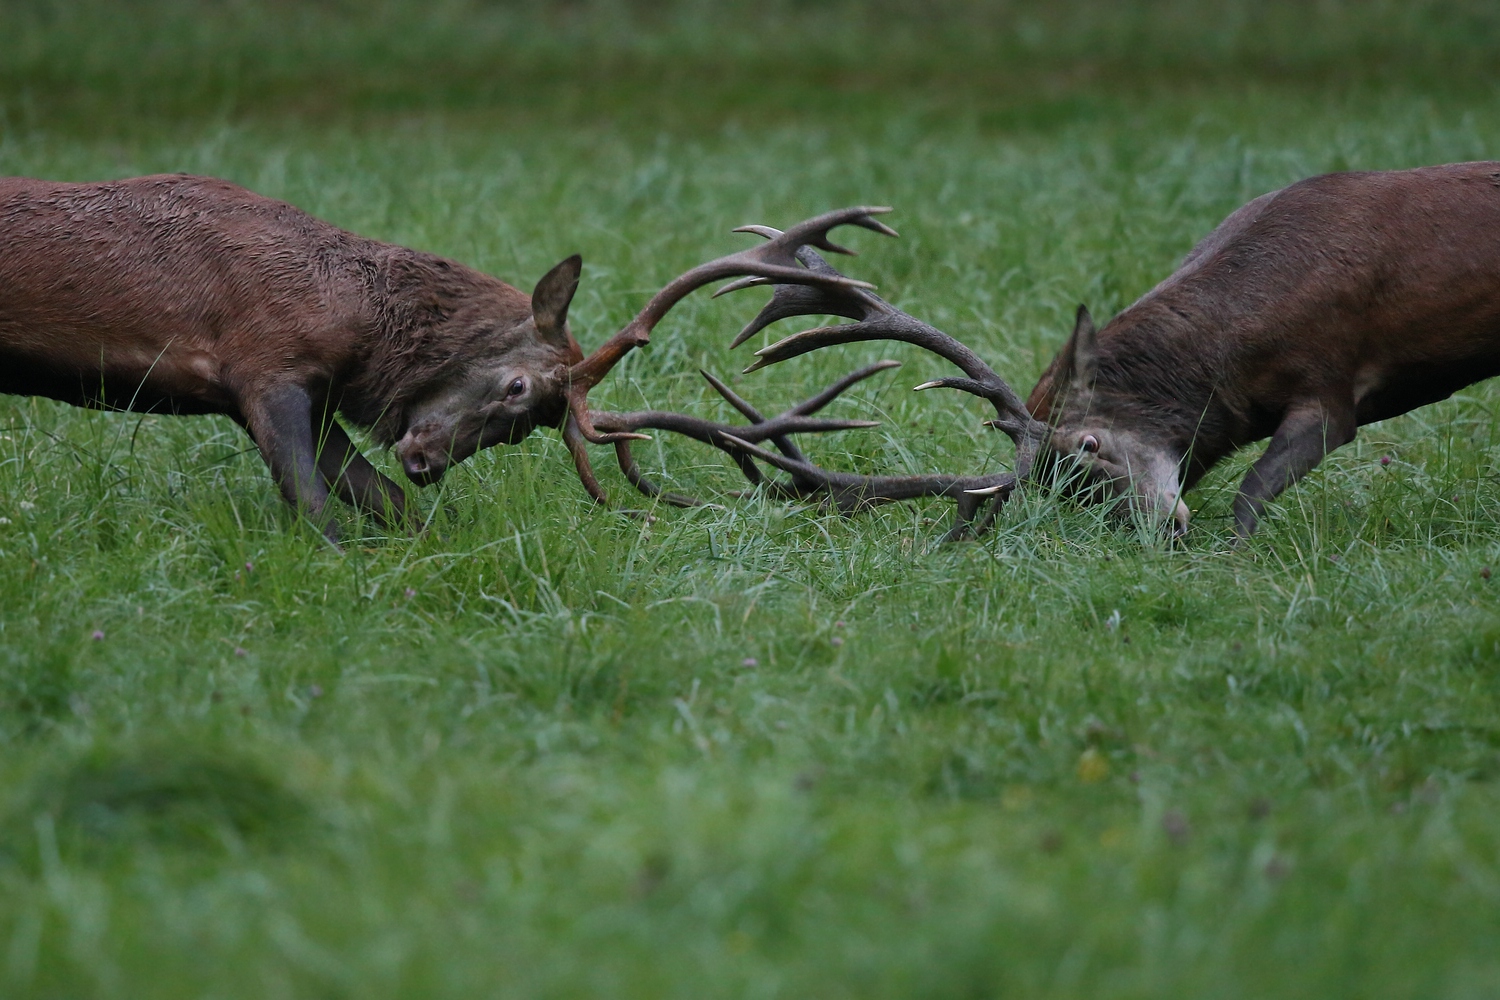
{"x": 356, "y": 481}
{"x": 1306, "y": 434}
{"x": 280, "y": 421}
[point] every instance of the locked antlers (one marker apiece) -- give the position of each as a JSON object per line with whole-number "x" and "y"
{"x": 803, "y": 284}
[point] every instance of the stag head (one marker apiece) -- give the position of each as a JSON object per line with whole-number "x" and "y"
{"x": 518, "y": 383}
{"x": 1100, "y": 457}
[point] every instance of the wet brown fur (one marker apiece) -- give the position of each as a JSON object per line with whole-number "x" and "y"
{"x": 180, "y": 294}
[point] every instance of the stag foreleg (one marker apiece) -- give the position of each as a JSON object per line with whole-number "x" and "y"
{"x": 356, "y": 481}
{"x": 280, "y": 419}
{"x": 1306, "y": 434}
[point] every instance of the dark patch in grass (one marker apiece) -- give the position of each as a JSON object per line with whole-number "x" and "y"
{"x": 165, "y": 796}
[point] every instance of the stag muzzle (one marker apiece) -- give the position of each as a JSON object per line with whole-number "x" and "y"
{"x": 421, "y": 466}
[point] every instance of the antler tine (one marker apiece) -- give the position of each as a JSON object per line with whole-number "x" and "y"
{"x": 776, "y": 261}
{"x": 650, "y": 489}
{"x": 804, "y": 408}
{"x": 829, "y": 394}
{"x": 578, "y": 447}
{"x": 803, "y": 300}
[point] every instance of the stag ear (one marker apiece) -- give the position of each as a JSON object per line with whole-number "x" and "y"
{"x": 550, "y": 301}
{"x": 1083, "y": 350}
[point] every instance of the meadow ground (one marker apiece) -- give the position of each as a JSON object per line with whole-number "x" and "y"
{"x": 550, "y": 750}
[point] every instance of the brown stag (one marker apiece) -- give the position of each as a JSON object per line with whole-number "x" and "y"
{"x": 189, "y": 295}
{"x": 1336, "y": 302}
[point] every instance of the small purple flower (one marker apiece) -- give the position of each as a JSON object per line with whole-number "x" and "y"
{"x": 1385, "y": 460}
{"x": 410, "y": 593}
{"x": 749, "y": 663}
{"x": 249, "y": 566}
{"x": 98, "y": 635}
{"x": 239, "y": 651}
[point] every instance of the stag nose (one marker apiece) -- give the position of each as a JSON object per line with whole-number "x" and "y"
{"x": 1180, "y": 516}
{"x": 419, "y": 468}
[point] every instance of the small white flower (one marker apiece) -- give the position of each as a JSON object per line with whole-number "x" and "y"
{"x": 27, "y": 505}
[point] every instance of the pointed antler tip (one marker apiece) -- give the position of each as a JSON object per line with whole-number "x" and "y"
{"x": 934, "y": 384}
{"x": 765, "y": 231}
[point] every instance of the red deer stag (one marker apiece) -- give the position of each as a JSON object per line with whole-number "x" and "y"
{"x": 1338, "y": 301}
{"x": 178, "y": 294}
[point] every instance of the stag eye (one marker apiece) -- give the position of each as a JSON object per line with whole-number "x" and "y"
{"x": 516, "y": 388}
{"x": 1089, "y": 445}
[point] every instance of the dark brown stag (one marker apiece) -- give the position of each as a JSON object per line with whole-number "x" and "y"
{"x": 185, "y": 295}
{"x": 1336, "y": 302}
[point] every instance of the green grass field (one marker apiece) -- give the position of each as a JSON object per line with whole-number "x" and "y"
{"x": 751, "y": 750}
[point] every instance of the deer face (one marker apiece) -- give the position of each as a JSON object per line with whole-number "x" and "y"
{"x": 1107, "y": 449}
{"x": 1107, "y": 461}
{"x": 501, "y": 398}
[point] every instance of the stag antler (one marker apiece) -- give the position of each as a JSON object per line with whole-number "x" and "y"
{"x": 804, "y": 284}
